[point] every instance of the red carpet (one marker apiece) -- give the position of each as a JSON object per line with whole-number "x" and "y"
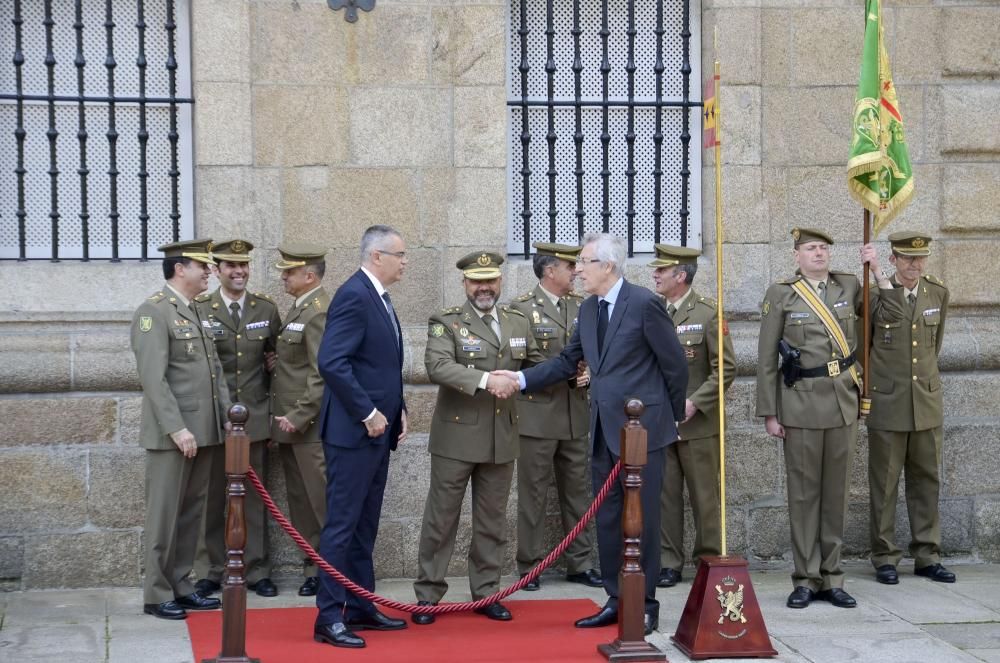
{"x": 541, "y": 631}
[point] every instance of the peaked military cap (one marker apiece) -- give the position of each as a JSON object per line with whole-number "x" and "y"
{"x": 804, "y": 235}
{"x": 195, "y": 249}
{"x": 232, "y": 250}
{"x": 668, "y": 255}
{"x": 480, "y": 265}
{"x": 912, "y": 244}
{"x": 299, "y": 255}
{"x": 562, "y": 251}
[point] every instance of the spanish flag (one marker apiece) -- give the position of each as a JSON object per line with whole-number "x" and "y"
{"x": 709, "y": 133}
{"x": 879, "y": 173}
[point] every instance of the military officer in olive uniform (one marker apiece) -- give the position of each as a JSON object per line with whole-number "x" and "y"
{"x": 554, "y": 424}
{"x": 813, "y": 407}
{"x": 297, "y": 395}
{"x": 907, "y": 413}
{"x": 474, "y": 434}
{"x": 244, "y": 326}
{"x": 184, "y": 403}
{"x": 694, "y": 459}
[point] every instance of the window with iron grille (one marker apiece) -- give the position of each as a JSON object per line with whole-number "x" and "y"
{"x": 600, "y": 120}
{"x": 95, "y": 128}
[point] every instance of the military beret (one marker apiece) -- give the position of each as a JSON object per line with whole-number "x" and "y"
{"x": 195, "y": 249}
{"x": 668, "y": 255}
{"x": 299, "y": 255}
{"x": 562, "y": 251}
{"x": 232, "y": 250}
{"x": 804, "y": 235}
{"x": 912, "y": 244}
{"x": 480, "y": 265}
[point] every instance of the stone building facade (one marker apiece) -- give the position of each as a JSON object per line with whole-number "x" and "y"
{"x": 306, "y": 126}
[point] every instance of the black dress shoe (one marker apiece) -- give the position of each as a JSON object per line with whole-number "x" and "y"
{"x": 195, "y": 601}
{"x": 337, "y": 635}
{"x": 375, "y": 622}
{"x": 650, "y": 623}
{"x": 801, "y": 597}
{"x": 264, "y": 587}
{"x": 605, "y": 617}
{"x": 165, "y": 610}
{"x": 207, "y": 587}
{"x": 423, "y": 618}
{"x": 590, "y": 577}
{"x": 935, "y": 572}
{"x": 309, "y": 587}
{"x": 886, "y": 574}
{"x": 668, "y": 578}
{"x": 837, "y": 597}
{"x": 495, "y": 611}
{"x": 534, "y": 585}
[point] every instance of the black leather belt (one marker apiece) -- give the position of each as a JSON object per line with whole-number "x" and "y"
{"x": 830, "y": 369}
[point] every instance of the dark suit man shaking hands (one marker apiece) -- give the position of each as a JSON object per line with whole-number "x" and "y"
{"x": 363, "y": 419}
{"x": 627, "y": 339}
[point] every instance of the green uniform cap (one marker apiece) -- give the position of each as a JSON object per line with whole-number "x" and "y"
{"x": 232, "y": 250}
{"x": 481, "y": 265}
{"x": 562, "y": 251}
{"x": 668, "y": 255}
{"x": 908, "y": 243}
{"x": 195, "y": 249}
{"x": 299, "y": 255}
{"x": 805, "y": 235}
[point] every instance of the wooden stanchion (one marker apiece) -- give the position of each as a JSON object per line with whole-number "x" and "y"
{"x": 631, "y": 645}
{"x": 234, "y": 586}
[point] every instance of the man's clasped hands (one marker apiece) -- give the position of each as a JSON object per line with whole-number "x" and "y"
{"x": 504, "y": 384}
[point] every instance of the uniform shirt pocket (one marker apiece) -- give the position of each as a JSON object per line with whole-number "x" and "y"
{"x": 262, "y": 334}
{"x": 887, "y": 333}
{"x": 188, "y": 402}
{"x": 882, "y": 385}
{"x": 468, "y": 417}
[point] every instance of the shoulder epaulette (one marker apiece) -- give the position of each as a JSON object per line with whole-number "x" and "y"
{"x": 930, "y": 278}
{"x": 790, "y": 280}
{"x": 261, "y": 295}
{"x": 708, "y": 301}
{"x": 576, "y": 295}
{"x": 525, "y": 298}
{"x": 204, "y": 297}
{"x": 157, "y": 297}
{"x": 840, "y": 273}
{"x": 511, "y": 309}
{"x": 451, "y": 310}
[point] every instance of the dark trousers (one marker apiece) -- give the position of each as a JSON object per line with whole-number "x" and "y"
{"x": 355, "y": 482}
{"x": 609, "y": 521}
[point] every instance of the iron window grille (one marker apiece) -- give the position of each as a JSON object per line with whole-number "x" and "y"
{"x": 600, "y": 119}
{"x": 95, "y": 128}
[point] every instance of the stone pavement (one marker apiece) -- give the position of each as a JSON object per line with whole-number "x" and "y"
{"x": 916, "y": 621}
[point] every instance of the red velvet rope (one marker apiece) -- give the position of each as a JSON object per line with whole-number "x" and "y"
{"x": 444, "y": 607}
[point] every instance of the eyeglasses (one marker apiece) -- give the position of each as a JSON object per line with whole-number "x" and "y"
{"x": 398, "y": 254}
{"x": 586, "y": 261}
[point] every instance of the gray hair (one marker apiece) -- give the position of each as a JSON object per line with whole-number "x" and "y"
{"x": 609, "y": 249}
{"x": 376, "y": 238}
{"x": 689, "y": 272}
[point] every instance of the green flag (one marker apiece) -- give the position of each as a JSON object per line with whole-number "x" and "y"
{"x": 879, "y": 174}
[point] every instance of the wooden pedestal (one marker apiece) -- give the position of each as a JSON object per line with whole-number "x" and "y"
{"x": 722, "y": 618}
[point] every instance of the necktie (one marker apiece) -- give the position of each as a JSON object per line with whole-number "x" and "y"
{"x": 234, "y": 310}
{"x": 602, "y": 325}
{"x": 671, "y": 309}
{"x": 912, "y": 298}
{"x": 822, "y": 290}
{"x": 492, "y": 324}
{"x": 392, "y": 315}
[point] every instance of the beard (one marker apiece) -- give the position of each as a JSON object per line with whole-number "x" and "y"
{"x": 483, "y": 300}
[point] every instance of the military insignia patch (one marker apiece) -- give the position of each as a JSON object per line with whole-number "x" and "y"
{"x": 765, "y": 307}
{"x": 145, "y": 323}
{"x": 437, "y": 330}
{"x": 463, "y": 331}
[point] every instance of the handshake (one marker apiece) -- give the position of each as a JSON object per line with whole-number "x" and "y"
{"x": 502, "y": 384}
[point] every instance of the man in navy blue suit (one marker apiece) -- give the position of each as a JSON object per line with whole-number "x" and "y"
{"x": 624, "y": 334}
{"x": 363, "y": 419}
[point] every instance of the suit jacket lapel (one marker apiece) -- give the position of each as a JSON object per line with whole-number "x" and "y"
{"x": 549, "y": 309}
{"x": 588, "y": 320}
{"x": 378, "y": 303}
{"x": 221, "y": 312}
{"x": 684, "y": 312}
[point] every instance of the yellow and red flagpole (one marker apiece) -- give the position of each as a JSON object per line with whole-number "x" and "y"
{"x": 724, "y": 580}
